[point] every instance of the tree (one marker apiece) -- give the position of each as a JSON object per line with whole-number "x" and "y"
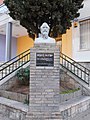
{"x": 32, "y": 13}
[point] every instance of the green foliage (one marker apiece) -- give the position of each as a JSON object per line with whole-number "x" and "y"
{"x": 32, "y": 13}
{"x": 70, "y": 91}
{"x": 23, "y": 76}
{"x": 26, "y": 101}
{"x": 8, "y": 97}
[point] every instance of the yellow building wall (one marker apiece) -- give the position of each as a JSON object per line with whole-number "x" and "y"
{"x": 24, "y": 43}
{"x": 67, "y": 43}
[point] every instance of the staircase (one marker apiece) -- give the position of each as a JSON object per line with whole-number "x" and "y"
{"x": 76, "y": 107}
{"x": 12, "y": 109}
{"x": 17, "y": 110}
{"x": 14, "y": 64}
{"x": 75, "y": 70}
{"x": 12, "y": 104}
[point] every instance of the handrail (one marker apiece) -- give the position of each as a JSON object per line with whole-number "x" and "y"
{"x": 75, "y": 68}
{"x": 75, "y": 61}
{"x": 14, "y": 64}
{"x": 14, "y": 58}
{"x": 65, "y": 61}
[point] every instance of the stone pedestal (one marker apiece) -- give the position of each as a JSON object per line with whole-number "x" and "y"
{"x": 44, "y": 83}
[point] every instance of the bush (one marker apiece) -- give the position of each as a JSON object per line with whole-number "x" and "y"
{"x": 23, "y": 76}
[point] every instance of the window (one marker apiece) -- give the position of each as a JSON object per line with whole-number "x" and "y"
{"x": 85, "y": 34}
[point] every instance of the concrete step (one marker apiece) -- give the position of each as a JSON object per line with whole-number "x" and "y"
{"x": 13, "y": 109}
{"x": 73, "y": 107}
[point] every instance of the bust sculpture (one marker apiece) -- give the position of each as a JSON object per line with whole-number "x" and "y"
{"x": 44, "y": 38}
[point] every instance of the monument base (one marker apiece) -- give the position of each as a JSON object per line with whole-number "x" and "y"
{"x": 44, "y": 82}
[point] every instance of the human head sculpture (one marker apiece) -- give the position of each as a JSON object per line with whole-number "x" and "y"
{"x": 44, "y": 29}
{"x": 43, "y": 37}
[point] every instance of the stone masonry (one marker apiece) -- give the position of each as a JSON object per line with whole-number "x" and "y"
{"x": 44, "y": 85}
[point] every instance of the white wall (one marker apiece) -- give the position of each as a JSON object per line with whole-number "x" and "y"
{"x": 85, "y": 11}
{"x": 80, "y": 55}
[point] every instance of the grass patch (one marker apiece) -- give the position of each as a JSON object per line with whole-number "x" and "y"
{"x": 70, "y": 91}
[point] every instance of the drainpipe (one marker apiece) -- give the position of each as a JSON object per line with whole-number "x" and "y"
{"x": 8, "y": 41}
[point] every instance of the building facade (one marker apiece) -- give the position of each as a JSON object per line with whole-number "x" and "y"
{"x": 13, "y": 37}
{"x": 81, "y": 36}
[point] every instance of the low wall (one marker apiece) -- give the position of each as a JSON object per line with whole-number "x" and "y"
{"x": 71, "y": 109}
{"x": 14, "y": 96}
{"x": 68, "y": 96}
{"x": 12, "y": 113}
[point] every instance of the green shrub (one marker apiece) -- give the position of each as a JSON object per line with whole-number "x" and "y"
{"x": 23, "y": 76}
{"x": 26, "y": 101}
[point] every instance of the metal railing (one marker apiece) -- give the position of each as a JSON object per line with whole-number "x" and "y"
{"x": 75, "y": 68}
{"x": 15, "y": 63}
